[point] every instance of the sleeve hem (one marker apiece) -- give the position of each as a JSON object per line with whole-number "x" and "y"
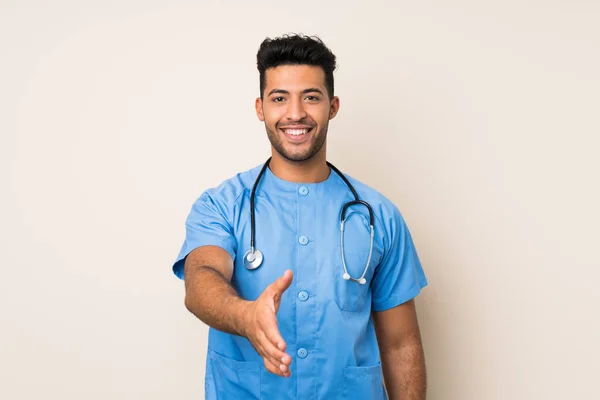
{"x": 179, "y": 263}
{"x": 397, "y": 300}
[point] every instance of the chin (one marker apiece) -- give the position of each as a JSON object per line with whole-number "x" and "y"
{"x": 298, "y": 157}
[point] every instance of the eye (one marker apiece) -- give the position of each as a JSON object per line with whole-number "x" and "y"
{"x": 277, "y": 99}
{"x": 312, "y": 98}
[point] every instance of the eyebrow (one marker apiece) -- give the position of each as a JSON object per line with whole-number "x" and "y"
{"x": 309, "y": 90}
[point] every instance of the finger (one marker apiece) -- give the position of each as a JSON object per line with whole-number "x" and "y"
{"x": 277, "y": 289}
{"x": 269, "y": 326}
{"x": 284, "y": 368}
{"x": 271, "y": 363}
{"x": 275, "y": 355}
{"x": 266, "y": 353}
{"x": 273, "y": 368}
{"x": 283, "y": 282}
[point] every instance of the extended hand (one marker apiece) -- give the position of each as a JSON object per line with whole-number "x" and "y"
{"x": 261, "y": 327}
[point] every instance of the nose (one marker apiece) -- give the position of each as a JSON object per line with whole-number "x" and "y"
{"x": 296, "y": 111}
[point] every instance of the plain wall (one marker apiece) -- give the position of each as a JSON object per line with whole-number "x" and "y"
{"x": 480, "y": 120}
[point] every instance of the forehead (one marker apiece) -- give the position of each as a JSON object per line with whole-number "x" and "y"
{"x": 294, "y": 77}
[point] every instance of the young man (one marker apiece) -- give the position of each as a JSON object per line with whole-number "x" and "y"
{"x": 301, "y": 306}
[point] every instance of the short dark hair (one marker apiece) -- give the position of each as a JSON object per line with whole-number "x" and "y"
{"x": 295, "y": 50}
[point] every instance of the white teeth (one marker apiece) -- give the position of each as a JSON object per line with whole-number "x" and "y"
{"x": 296, "y": 132}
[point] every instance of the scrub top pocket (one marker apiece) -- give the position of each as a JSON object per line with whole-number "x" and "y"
{"x": 364, "y": 383}
{"x": 231, "y": 379}
{"x": 351, "y": 295}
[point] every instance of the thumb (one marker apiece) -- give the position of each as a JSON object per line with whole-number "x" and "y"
{"x": 277, "y": 288}
{"x": 283, "y": 282}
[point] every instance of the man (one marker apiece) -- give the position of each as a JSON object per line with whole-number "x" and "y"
{"x": 314, "y": 314}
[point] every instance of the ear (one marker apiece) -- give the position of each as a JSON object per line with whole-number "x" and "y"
{"x": 334, "y": 107}
{"x": 259, "y": 110}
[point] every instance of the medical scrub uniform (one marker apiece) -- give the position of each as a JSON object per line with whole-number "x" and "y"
{"x": 324, "y": 319}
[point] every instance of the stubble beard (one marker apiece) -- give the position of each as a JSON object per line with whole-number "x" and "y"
{"x": 313, "y": 149}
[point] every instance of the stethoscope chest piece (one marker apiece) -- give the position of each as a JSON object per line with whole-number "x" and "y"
{"x": 252, "y": 259}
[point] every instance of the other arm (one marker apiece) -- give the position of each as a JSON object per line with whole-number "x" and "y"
{"x": 401, "y": 351}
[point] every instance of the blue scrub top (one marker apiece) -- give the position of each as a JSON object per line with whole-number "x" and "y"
{"x": 324, "y": 319}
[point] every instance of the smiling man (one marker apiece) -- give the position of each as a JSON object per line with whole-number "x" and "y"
{"x": 300, "y": 304}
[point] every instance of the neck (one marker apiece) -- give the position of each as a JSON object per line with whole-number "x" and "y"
{"x": 310, "y": 171}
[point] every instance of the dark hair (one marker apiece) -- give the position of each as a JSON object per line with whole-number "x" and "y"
{"x": 295, "y": 50}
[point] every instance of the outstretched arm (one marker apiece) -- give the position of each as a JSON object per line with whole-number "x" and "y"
{"x": 211, "y": 297}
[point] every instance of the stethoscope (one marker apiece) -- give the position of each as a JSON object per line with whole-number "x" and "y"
{"x": 254, "y": 257}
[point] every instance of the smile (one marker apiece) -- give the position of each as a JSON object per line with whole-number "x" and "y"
{"x": 296, "y": 132}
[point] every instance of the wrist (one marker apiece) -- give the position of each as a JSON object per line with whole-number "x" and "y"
{"x": 243, "y": 317}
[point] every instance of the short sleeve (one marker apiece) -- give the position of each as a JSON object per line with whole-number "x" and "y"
{"x": 399, "y": 277}
{"x": 206, "y": 225}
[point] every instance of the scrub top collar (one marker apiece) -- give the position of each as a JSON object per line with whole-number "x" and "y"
{"x": 286, "y": 187}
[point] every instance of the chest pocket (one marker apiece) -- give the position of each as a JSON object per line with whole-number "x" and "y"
{"x": 351, "y": 295}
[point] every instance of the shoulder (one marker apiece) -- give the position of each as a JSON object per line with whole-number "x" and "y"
{"x": 225, "y": 195}
{"x": 388, "y": 216}
{"x": 231, "y": 188}
{"x": 381, "y": 205}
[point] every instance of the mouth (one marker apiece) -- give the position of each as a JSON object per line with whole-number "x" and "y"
{"x": 296, "y": 134}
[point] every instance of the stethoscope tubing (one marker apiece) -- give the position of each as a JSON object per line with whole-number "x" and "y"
{"x": 253, "y": 257}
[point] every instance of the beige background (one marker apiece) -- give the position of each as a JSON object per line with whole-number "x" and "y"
{"x": 478, "y": 119}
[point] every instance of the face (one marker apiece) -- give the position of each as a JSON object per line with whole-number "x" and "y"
{"x": 296, "y": 110}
